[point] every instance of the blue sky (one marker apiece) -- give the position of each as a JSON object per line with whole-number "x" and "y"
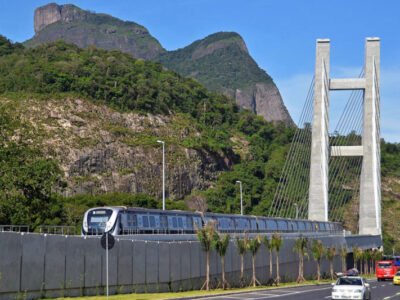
{"x": 280, "y": 35}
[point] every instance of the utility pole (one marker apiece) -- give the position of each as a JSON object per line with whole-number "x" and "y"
{"x": 163, "y": 173}
{"x": 241, "y": 197}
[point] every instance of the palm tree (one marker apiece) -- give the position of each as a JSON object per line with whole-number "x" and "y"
{"x": 221, "y": 244}
{"x": 277, "y": 244}
{"x": 254, "y": 245}
{"x": 357, "y": 255}
{"x": 301, "y": 246}
{"x": 357, "y": 252}
{"x": 367, "y": 260}
{"x": 269, "y": 246}
{"x": 241, "y": 244}
{"x": 318, "y": 251}
{"x": 206, "y": 237}
{"x": 330, "y": 255}
{"x": 343, "y": 255}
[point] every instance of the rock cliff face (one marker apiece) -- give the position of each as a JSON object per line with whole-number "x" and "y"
{"x": 101, "y": 150}
{"x": 265, "y": 100}
{"x": 83, "y": 28}
{"x": 222, "y": 63}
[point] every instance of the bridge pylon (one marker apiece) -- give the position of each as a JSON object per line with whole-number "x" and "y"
{"x": 370, "y": 181}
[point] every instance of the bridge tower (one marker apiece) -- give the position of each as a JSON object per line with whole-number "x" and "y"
{"x": 370, "y": 182}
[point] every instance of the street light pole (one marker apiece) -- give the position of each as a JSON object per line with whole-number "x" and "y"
{"x": 241, "y": 197}
{"x": 163, "y": 173}
{"x": 297, "y": 210}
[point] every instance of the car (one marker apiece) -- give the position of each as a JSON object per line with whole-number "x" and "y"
{"x": 351, "y": 287}
{"x": 396, "y": 278}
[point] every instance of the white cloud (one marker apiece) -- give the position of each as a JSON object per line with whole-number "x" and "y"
{"x": 294, "y": 91}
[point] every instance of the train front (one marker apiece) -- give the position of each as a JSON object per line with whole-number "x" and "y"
{"x": 96, "y": 221}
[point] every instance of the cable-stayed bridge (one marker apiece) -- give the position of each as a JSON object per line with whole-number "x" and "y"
{"x": 336, "y": 176}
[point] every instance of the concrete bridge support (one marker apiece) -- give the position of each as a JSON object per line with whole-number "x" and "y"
{"x": 370, "y": 193}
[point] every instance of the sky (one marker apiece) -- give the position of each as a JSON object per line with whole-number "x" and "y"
{"x": 280, "y": 36}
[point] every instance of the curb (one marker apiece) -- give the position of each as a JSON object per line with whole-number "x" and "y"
{"x": 249, "y": 291}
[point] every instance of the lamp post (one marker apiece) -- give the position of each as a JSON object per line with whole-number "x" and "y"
{"x": 297, "y": 210}
{"x": 241, "y": 196}
{"x": 163, "y": 173}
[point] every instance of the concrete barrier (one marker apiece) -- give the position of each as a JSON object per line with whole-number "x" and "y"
{"x": 34, "y": 265}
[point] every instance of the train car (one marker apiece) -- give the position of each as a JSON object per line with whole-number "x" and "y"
{"x": 125, "y": 221}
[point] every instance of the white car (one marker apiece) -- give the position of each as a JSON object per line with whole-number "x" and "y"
{"x": 351, "y": 287}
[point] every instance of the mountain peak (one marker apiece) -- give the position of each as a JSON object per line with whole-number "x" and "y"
{"x": 52, "y": 13}
{"x": 85, "y": 28}
{"x": 216, "y": 41}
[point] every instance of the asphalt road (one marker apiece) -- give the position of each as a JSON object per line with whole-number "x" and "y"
{"x": 380, "y": 291}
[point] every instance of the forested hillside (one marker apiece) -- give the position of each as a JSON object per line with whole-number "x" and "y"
{"x": 41, "y": 87}
{"x": 78, "y": 128}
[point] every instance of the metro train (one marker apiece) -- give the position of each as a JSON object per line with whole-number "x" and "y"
{"x": 128, "y": 221}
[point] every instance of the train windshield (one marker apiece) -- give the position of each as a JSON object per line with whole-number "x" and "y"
{"x": 98, "y": 218}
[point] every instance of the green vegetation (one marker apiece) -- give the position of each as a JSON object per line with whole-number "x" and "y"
{"x": 60, "y": 70}
{"x": 227, "y": 65}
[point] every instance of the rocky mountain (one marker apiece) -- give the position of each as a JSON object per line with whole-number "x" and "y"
{"x": 220, "y": 61}
{"x": 101, "y": 150}
{"x": 84, "y": 28}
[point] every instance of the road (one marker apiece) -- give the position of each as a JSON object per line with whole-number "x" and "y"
{"x": 380, "y": 291}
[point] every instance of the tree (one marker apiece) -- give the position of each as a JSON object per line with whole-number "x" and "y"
{"x": 318, "y": 251}
{"x": 367, "y": 259}
{"x": 241, "y": 244}
{"x": 330, "y": 255}
{"x": 269, "y": 246}
{"x": 254, "y": 245}
{"x": 221, "y": 244}
{"x": 206, "y": 237}
{"x": 357, "y": 254}
{"x": 343, "y": 255}
{"x": 277, "y": 244}
{"x": 300, "y": 247}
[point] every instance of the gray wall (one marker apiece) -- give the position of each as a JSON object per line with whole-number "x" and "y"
{"x": 33, "y": 265}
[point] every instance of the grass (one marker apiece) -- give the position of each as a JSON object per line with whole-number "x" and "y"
{"x": 191, "y": 294}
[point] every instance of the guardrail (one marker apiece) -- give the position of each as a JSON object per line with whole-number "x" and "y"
{"x": 14, "y": 228}
{"x": 53, "y": 229}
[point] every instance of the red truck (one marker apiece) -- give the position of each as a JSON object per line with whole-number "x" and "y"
{"x": 386, "y": 269}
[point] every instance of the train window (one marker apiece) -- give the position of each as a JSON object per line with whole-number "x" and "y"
{"x": 197, "y": 222}
{"x": 152, "y": 221}
{"x": 189, "y": 222}
{"x": 134, "y": 220}
{"x": 163, "y": 221}
{"x": 260, "y": 224}
{"x": 180, "y": 223}
{"x": 308, "y": 226}
{"x": 301, "y": 226}
{"x": 294, "y": 227}
{"x": 322, "y": 226}
{"x": 174, "y": 223}
{"x": 271, "y": 225}
{"x": 282, "y": 225}
{"x": 253, "y": 223}
{"x": 145, "y": 221}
